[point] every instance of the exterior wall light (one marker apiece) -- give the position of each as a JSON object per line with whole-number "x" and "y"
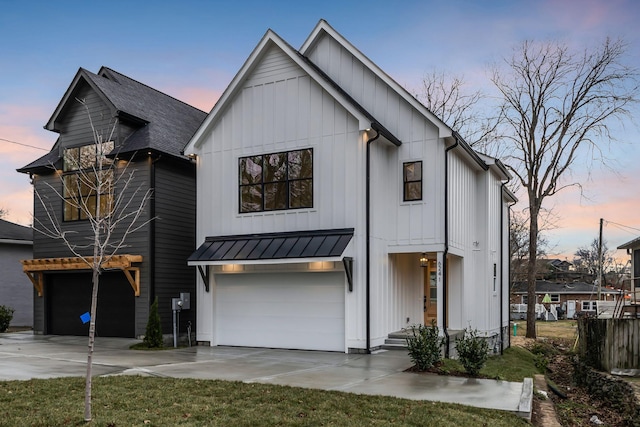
{"x": 424, "y": 261}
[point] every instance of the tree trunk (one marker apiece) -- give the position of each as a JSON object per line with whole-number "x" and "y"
{"x": 92, "y": 335}
{"x": 534, "y": 210}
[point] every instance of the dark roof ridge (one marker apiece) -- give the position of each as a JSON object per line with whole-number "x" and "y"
{"x": 111, "y": 70}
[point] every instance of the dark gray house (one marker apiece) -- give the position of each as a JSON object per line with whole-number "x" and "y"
{"x": 145, "y": 130}
{"x": 16, "y": 243}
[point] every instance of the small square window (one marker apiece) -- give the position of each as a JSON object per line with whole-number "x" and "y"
{"x": 412, "y": 181}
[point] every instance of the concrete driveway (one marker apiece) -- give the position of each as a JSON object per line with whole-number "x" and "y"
{"x": 24, "y": 356}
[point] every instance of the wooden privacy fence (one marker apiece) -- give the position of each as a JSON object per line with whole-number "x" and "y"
{"x": 610, "y": 344}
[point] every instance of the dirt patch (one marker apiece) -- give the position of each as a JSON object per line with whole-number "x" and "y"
{"x": 578, "y": 408}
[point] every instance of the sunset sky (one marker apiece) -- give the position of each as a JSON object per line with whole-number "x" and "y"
{"x": 192, "y": 49}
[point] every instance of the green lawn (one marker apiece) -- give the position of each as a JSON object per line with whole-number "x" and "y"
{"x": 562, "y": 329}
{"x": 139, "y": 401}
{"x": 515, "y": 364}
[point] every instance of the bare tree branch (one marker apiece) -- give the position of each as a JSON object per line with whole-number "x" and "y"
{"x": 558, "y": 107}
{"x": 103, "y": 193}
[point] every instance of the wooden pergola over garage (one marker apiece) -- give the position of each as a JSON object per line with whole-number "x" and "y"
{"x": 35, "y": 268}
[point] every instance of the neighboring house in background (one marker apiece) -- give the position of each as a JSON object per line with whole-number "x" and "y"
{"x": 16, "y": 243}
{"x": 633, "y": 284}
{"x": 572, "y": 298}
{"x": 335, "y": 209}
{"x": 151, "y": 128}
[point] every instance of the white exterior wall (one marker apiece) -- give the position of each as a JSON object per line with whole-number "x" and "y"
{"x": 280, "y": 108}
{"x": 396, "y": 226}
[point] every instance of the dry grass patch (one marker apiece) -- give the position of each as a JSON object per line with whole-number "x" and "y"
{"x": 562, "y": 329}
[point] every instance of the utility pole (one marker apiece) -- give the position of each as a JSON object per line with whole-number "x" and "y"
{"x": 600, "y": 260}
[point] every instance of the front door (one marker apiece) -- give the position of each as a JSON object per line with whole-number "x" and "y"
{"x": 430, "y": 298}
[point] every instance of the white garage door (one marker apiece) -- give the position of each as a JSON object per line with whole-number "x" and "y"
{"x": 284, "y": 310}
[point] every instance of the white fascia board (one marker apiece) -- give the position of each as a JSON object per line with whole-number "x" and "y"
{"x": 496, "y": 166}
{"x": 509, "y": 196}
{"x": 444, "y": 131}
{"x": 266, "y": 261}
{"x": 270, "y": 37}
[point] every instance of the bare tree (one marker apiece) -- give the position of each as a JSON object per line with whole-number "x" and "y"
{"x": 558, "y": 106}
{"x": 448, "y": 97}
{"x": 519, "y": 246}
{"x": 3, "y": 212}
{"x": 587, "y": 261}
{"x": 103, "y": 193}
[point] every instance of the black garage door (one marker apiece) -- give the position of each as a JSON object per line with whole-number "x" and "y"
{"x": 69, "y": 296}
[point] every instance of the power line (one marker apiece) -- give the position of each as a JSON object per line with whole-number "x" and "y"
{"x": 621, "y": 226}
{"x": 24, "y": 145}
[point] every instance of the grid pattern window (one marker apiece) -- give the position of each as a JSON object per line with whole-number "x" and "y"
{"x": 555, "y": 298}
{"x": 276, "y": 181}
{"x": 87, "y": 181}
{"x": 412, "y": 181}
{"x": 588, "y": 306}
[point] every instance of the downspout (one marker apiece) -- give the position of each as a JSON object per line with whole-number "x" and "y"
{"x": 152, "y": 230}
{"x": 445, "y": 272}
{"x": 368, "y": 241}
{"x": 509, "y": 270}
{"x": 502, "y": 270}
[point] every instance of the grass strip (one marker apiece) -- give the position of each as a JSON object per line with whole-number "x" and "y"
{"x": 144, "y": 401}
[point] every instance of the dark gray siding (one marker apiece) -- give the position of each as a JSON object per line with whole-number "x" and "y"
{"x": 175, "y": 205}
{"x": 76, "y": 130}
{"x": 164, "y": 242}
{"x": 16, "y": 290}
{"x": 74, "y": 125}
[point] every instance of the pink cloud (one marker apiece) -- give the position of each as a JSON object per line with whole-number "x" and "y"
{"x": 201, "y": 98}
{"x": 585, "y": 15}
{"x": 21, "y": 124}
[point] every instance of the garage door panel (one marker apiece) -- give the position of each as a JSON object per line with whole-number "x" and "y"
{"x": 289, "y": 310}
{"x": 69, "y": 296}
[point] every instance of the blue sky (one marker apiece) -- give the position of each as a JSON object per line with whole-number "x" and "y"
{"x": 192, "y": 49}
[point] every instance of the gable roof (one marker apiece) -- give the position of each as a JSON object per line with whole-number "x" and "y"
{"x": 546, "y": 287}
{"x": 165, "y": 122}
{"x": 323, "y": 28}
{"x": 15, "y": 233}
{"x": 635, "y": 243}
{"x": 365, "y": 119}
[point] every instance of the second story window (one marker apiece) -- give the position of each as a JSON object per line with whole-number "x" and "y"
{"x": 412, "y": 181}
{"x": 276, "y": 181}
{"x": 87, "y": 181}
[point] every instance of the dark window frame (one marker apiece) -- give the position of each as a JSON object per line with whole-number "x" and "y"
{"x": 272, "y": 178}
{"x": 408, "y": 181}
{"x": 82, "y": 162}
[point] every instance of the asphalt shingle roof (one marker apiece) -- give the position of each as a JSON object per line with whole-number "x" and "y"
{"x": 11, "y": 231}
{"x": 543, "y": 286}
{"x": 170, "y": 123}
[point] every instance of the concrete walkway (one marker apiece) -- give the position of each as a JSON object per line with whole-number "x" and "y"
{"x": 24, "y": 356}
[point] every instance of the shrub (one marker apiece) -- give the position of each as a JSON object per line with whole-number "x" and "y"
{"x": 153, "y": 334}
{"x": 472, "y": 351}
{"x": 6, "y": 315}
{"x": 424, "y": 345}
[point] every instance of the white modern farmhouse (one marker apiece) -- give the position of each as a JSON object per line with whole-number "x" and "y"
{"x": 335, "y": 209}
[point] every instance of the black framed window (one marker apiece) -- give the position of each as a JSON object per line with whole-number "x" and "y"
{"x": 87, "y": 172}
{"x": 412, "y": 181}
{"x": 276, "y": 181}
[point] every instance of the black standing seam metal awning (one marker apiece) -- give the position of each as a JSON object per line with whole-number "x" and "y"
{"x": 253, "y": 248}
{"x": 272, "y": 246}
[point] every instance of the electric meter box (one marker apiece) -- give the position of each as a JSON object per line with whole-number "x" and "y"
{"x": 186, "y": 300}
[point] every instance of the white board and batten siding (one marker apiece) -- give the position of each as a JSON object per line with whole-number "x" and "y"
{"x": 279, "y": 107}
